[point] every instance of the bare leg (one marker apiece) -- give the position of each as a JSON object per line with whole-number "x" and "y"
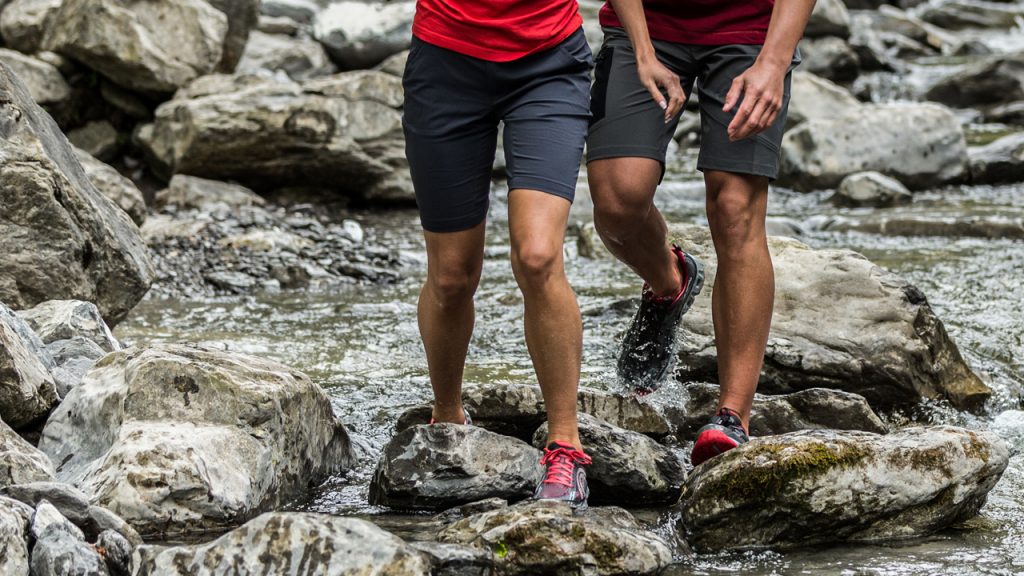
{"x": 446, "y": 313}
{"x": 554, "y": 331}
{"x": 744, "y": 292}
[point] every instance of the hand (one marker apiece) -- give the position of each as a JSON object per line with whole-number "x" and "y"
{"x": 656, "y": 77}
{"x": 761, "y": 87}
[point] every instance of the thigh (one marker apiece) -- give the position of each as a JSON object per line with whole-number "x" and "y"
{"x": 451, "y": 134}
{"x": 536, "y": 222}
{"x": 757, "y": 155}
{"x": 626, "y": 121}
{"x": 455, "y": 253}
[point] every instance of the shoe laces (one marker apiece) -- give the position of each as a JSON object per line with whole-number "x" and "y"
{"x": 561, "y": 462}
{"x": 729, "y": 417}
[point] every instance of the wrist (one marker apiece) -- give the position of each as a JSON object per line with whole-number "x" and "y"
{"x": 645, "y": 54}
{"x": 774, "y": 60}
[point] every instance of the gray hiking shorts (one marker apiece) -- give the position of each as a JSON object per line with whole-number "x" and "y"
{"x": 453, "y": 104}
{"x": 627, "y": 122}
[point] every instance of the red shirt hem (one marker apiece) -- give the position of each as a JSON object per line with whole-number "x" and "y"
{"x": 467, "y": 46}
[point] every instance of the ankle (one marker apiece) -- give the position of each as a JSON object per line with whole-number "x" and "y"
{"x": 670, "y": 284}
{"x": 453, "y": 414}
{"x": 572, "y": 440}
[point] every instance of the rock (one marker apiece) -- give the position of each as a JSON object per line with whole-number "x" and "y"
{"x": 301, "y": 11}
{"x": 20, "y": 461}
{"x": 455, "y": 559}
{"x": 268, "y": 133}
{"x": 871, "y": 189}
{"x": 995, "y": 80}
{"x": 47, "y": 517}
{"x": 937, "y": 223}
{"x": 199, "y": 193}
{"x": 72, "y": 359}
{"x": 98, "y": 139}
{"x": 999, "y": 162}
{"x": 266, "y": 241}
{"x": 74, "y": 243}
{"x": 300, "y": 58}
{"x": 628, "y": 468}
{"x": 829, "y": 18}
{"x": 809, "y": 488}
{"x": 118, "y": 189}
{"x": 44, "y": 81}
{"x": 433, "y": 467}
{"x": 178, "y": 439}
{"x": 829, "y": 57}
{"x": 151, "y": 45}
{"x": 74, "y": 505}
{"x": 27, "y": 389}
{"x": 23, "y": 23}
{"x": 889, "y": 19}
{"x": 813, "y": 97}
{"x": 960, "y": 14}
{"x": 14, "y": 518}
{"x": 810, "y": 409}
{"x": 921, "y": 145}
{"x": 544, "y": 537}
{"x": 66, "y": 319}
{"x": 867, "y": 44}
{"x": 59, "y": 553}
{"x": 242, "y": 16}
{"x": 277, "y": 25}
{"x": 395, "y": 65}
{"x": 840, "y": 322}
{"x": 362, "y": 34}
{"x": 518, "y": 410}
{"x": 124, "y": 100}
{"x": 1012, "y": 113}
{"x": 291, "y": 543}
{"x": 116, "y": 552}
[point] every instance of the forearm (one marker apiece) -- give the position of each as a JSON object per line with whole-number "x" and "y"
{"x": 789, "y": 18}
{"x": 631, "y": 14}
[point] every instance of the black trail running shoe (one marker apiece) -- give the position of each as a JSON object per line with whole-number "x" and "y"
{"x": 724, "y": 433}
{"x": 565, "y": 478}
{"x": 649, "y": 347}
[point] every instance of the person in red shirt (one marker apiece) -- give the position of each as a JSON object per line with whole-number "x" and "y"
{"x": 740, "y": 56}
{"x": 525, "y": 64}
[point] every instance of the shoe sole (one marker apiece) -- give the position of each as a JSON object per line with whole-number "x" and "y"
{"x": 710, "y": 444}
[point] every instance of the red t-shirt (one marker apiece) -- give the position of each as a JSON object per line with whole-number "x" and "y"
{"x": 496, "y": 30}
{"x": 705, "y": 22}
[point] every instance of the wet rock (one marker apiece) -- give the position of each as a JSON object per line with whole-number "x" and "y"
{"x": 23, "y": 23}
{"x": 266, "y": 241}
{"x": 362, "y": 34}
{"x": 74, "y": 505}
{"x": 116, "y": 552}
{"x": 242, "y": 16}
{"x": 960, "y": 14}
{"x": 66, "y": 319}
{"x": 200, "y": 193}
{"x": 921, "y": 145}
{"x": 59, "y": 553}
{"x": 890, "y": 19}
{"x": 155, "y": 46}
{"x": 177, "y": 439}
{"x": 27, "y": 389}
{"x": 277, "y": 25}
{"x": 840, "y": 322}
{"x": 867, "y": 44}
{"x": 298, "y": 57}
{"x": 1012, "y": 113}
{"x": 518, "y": 410}
{"x": 98, "y": 139}
{"x": 47, "y": 517}
{"x": 118, "y": 189}
{"x": 1000, "y": 162}
{"x": 829, "y": 18}
{"x": 231, "y": 281}
{"x": 809, "y": 488}
{"x": 628, "y": 468}
{"x": 14, "y": 525}
{"x": 20, "y": 461}
{"x": 995, "y": 80}
{"x": 291, "y": 543}
{"x": 871, "y": 189}
{"x": 813, "y": 97}
{"x": 455, "y": 559}
{"x": 937, "y": 223}
{"x": 73, "y": 242}
{"x": 301, "y": 11}
{"x": 44, "y": 81}
{"x": 438, "y": 466}
{"x": 72, "y": 358}
{"x": 811, "y": 409}
{"x": 829, "y": 57}
{"x": 543, "y": 537}
{"x": 266, "y": 133}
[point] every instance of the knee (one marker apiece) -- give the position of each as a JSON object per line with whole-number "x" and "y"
{"x": 736, "y": 216}
{"x": 453, "y": 286}
{"x": 620, "y": 201}
{"x": 534, "y": 263}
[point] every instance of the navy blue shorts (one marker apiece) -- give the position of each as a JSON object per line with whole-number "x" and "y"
{"x": 453, "y": 105}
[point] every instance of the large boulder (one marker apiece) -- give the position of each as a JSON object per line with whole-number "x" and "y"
{"x": 994, "y": 80}
{"x": 362, "y": 34}
{"x": 871, "y": 189}
{"x": 242, "y": 16}
{"x": 177, "y": 439}
{"x": 27, "y": 388}
{"x": 71, "y": 241}
{"x": 119, "y": 189}
{"x": 20, "y": 461}
{"x": 840, "y": 322}
{"x": 298, "y": 57}
{"x": 14, "y": 531}
{"x": 189, "y": 192}
{"x": 544, "y": 537}
{"x": 999, "y": 162}
{"x": 960, "y": 14}
{"x": 433, "y": 467}
{"x": 830, "y": 57}
{"x": 809, "y": 488}
{"x": 23, "y": 23}
{"x": 813, "y": 97}
{"x": 329, "y": 133}
{"x": 829, "y": 18}
{"x": 518, "y": 410}
{"x": 44, "y": 81}
{"x": 628, "y": 468}
{"x": 145, "y": 45}
{"x": 810, "y": 409}
{"x": 296, "y": 543}
{"x": 921, "y": 145}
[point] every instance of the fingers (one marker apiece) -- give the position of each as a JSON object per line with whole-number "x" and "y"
{"x": 755, "y": 115}
{"x": 733, "y": 96}
{"x": 676, "y": 97}
{"x": 659, "y": 98}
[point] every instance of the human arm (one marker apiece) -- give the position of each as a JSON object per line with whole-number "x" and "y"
{"x": 653, "y": 74}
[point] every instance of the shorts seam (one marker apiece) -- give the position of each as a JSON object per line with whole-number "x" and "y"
{"x": 626, "y": 151}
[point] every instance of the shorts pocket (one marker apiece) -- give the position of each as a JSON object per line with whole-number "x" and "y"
{"x": 577, "y": 48}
